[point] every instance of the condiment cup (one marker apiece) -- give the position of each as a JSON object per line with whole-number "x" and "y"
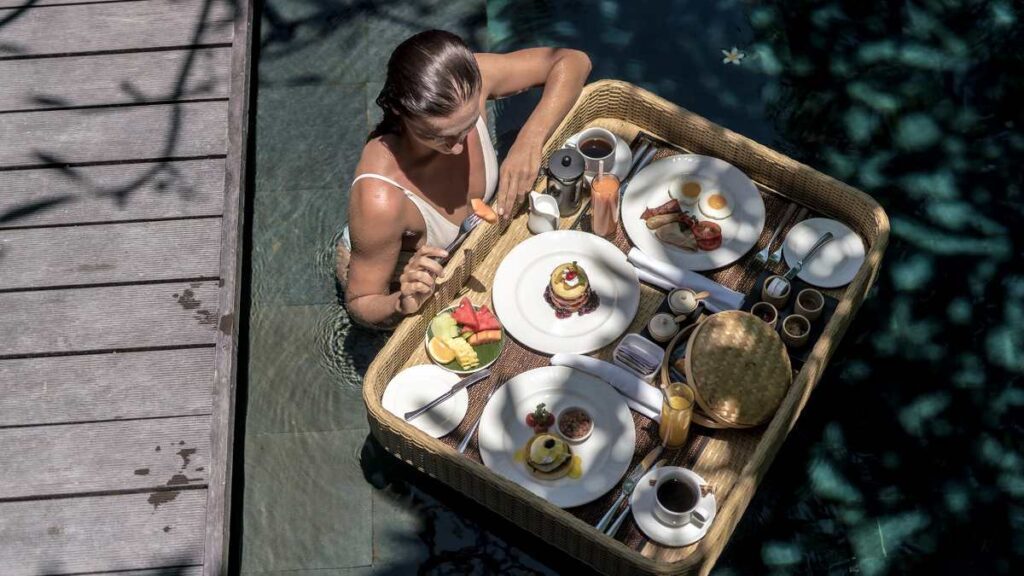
{"x": 775, "y": 291}
{"x": 795, "y": 330}
{"x": 683, "y": 301}
{"x": 766, "y": 312}
{"x": 662, "y": 327}
{"x": 558, "y": 425}
{"x": 809, "y": 303}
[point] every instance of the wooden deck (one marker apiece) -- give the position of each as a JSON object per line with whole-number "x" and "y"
{"x": 122, "y": 158}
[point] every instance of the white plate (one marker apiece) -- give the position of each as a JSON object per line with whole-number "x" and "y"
{"x": 623, "y": 156}
{"x": 605, "y": 455}
{"x": 415, "y": 386}
{"x": 524, "y": 275}
{"x": 836, "y": 263}
{"x": 642, "y": 505}
{"x": 740, "y": 231}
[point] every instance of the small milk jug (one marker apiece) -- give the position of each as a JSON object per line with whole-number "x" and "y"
{"x": 543, "y": 213}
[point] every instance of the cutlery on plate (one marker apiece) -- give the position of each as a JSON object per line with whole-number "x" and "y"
{"x": 776, "y": 256}
{"x": 469, "y": 435}
{"x": 464, "y": 383}
{"x": 629, "y": 484}
{"x": 465, "y": 228}
{"x": 614, "y": 528}
{"x": 825, "y": 239}
{"x": 762, "y": 256}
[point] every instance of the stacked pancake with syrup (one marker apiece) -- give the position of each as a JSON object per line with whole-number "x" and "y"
{"x": 569, "y": 291}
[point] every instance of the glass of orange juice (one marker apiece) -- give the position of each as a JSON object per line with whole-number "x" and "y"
{"x": 604, "y": 197}
{"x": 676, "y": 413}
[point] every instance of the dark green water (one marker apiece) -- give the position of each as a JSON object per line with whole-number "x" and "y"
{"x": 907, "y": 458}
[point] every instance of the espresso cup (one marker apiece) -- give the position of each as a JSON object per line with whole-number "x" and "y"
{"x": 676, "y": 504}
{"x": 795, "y": 330}
{"x": 766, "y": 312}
{"x": 596, "y": 145}
{"x": 809, "y": 303}
{"x": 775, "y": 291}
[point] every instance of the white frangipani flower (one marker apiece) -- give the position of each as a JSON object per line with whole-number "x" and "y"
{"x": 732, "y": 56}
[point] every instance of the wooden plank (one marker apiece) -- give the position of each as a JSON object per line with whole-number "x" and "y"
{"x": 108, "y": 253}
{"x": 169, "y": 571}
{"x": 222, "y": 423}
{"x": 85, "y": 194}
{"x": 105, "y": 134}
{"x": 165, "y": 76}
{"x": 70, "y": 459}
{"x": 119, "y": 26}
{"x": 34, "y": 3}
{"x": 108, "y": 318}
{"x": 101, "y": 533}
{"x": 110, "y": 386}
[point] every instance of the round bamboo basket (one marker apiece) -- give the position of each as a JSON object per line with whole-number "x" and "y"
{"x": 737, "y": 367}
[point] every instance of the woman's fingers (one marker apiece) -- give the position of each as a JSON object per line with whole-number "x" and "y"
{"x": 431, "y": 252}
{"x": 429, "y": 264}
{"x": 503, "y": 193}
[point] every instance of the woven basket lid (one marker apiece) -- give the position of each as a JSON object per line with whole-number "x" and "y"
{"x": 738, "y": 367}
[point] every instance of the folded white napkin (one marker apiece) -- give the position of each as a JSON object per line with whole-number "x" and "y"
{"x": 668, "y": 277}
{"x": 640, "y": 396}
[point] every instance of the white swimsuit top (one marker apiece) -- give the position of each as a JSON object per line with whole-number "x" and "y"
{"x": 440, "y": 231}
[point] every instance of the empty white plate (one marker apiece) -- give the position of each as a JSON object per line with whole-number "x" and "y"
{"x": 415, "y": 387}
{"x": 836, "y": 263}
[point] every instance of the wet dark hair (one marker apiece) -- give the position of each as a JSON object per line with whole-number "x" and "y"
{"x": 432, "y": 73}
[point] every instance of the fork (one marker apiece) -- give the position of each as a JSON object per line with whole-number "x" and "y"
{"x": 776, "y": 257}
{"x": 762, "y": 256}
{"x": 465, "y": 228}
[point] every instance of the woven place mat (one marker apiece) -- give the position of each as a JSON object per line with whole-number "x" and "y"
{"x": 516, "y": 359}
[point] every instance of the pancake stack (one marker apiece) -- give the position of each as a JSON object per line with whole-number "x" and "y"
{"x": 569, "y": 291}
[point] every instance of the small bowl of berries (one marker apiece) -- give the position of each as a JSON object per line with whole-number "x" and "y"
{"x": 575, "y": 424}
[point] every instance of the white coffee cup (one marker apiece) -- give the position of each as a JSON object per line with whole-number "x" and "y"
{"x": 591, "y": 162}
{"x": 692, "y": 515}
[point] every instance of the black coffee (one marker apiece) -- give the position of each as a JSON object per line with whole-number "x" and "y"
{"x": 595, "y": 148}
{"x": 677, "y": 496}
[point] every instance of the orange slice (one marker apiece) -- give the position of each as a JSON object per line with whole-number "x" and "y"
{"x": 440, "y": 351}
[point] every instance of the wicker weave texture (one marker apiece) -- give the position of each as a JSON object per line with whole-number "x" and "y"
{"x": 733, "y": 461}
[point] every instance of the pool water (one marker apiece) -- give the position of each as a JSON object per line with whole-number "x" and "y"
{"x": 907, "y": 459}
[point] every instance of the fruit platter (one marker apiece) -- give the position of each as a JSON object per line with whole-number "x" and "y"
{"x": 465, "y": 338}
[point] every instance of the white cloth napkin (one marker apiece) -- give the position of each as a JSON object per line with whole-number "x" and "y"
{"x": 640, "y": 396}
{"x": 669, "y": 277}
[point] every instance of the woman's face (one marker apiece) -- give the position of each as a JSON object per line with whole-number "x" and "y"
{"x": 445, "y": 134}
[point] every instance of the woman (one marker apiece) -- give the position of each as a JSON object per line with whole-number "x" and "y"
{"x": 431, "y": 154}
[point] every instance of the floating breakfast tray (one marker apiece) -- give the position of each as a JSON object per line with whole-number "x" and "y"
{"x": 733, "y": 461}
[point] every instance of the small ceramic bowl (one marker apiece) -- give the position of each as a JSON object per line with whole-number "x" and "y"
{"x": 662, "y": 327}
{"x": 766, "y": 312}
{"x": 581, "y": 416}
{"x": 683, "y": 301}
{"x": 795, "y": 330}
{"x": 809, "y": 303}
{"x": 775, "y": 291}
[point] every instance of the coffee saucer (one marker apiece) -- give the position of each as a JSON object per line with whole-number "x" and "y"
{"x": 623, "y": 156}
{"x": 642, "y": 505}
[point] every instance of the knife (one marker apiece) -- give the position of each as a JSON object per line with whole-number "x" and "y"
{"x": 825, "y": 239}
{"x": 625, "y": 511}
{"x": 627, "y": 486}
{"x": 464, "y": 383}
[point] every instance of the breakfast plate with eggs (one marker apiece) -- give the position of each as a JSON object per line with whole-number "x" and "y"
{"x": 695, "y": 212}
{"x": 521, "y": 446}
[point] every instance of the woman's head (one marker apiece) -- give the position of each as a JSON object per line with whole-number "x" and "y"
{"x": 431, "y": 93}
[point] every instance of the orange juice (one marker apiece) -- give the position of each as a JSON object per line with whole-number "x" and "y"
{"x": 604, "y": 194}
{"x": 676, "y": 413}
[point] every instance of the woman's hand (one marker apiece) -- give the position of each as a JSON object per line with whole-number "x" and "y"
{"x": 417, "y": 278}
{"x": 518, "y": 173}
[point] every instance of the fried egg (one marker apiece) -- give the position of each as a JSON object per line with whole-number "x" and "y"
{"x": 686, "y": 191}
{"x": 715, "y": 205}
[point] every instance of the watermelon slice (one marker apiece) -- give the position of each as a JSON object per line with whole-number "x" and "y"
{"x": 466, "y": 316}
{"x": 486, "y": 320}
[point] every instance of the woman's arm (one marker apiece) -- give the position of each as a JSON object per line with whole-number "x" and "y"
{"x": 375, "y": 227}
{"x": 562, "y": 72}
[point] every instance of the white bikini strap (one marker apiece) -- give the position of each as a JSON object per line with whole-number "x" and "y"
{"x": 379, "y": 177}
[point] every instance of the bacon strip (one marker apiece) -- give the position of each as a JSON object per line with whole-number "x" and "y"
{"x": 667, "y": 208}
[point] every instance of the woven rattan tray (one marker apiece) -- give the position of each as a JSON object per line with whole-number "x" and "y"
{"x": 732, "y": 460}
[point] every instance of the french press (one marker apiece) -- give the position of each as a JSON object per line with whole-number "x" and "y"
{"x": 565, "y": 180}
